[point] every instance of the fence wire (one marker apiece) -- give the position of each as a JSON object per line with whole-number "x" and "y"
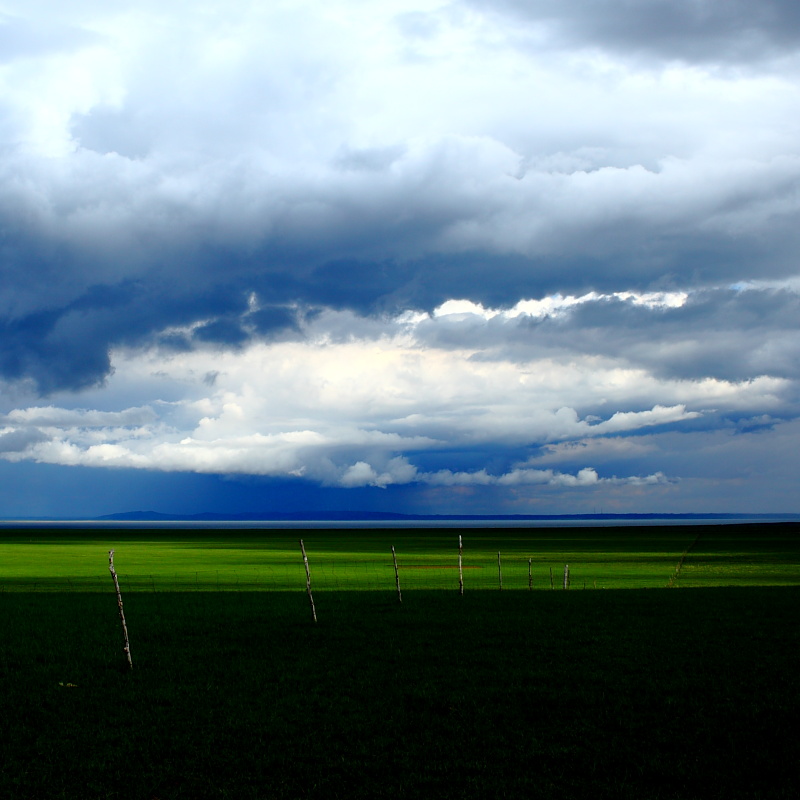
{"x": 333, "y": 573}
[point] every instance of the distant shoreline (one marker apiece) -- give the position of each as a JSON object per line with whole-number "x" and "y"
{"x": 362, "y": 516}
{"x": 363, "y": 519}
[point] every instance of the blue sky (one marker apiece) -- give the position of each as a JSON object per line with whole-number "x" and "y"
{"x": 447, "y": 257}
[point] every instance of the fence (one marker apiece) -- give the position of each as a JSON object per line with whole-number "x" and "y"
{"x": 364, "y": 561}
{"x": 335, "y": 572}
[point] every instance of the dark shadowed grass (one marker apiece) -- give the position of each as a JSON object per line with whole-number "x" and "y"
{"x": 605, "y": 694}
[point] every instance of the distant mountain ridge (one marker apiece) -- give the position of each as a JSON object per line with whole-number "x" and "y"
{"x": 337, "y": 516}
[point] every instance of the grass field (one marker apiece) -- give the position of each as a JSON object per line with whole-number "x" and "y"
{"x": 238, "y": 694}
{"x": 252, "y": 560}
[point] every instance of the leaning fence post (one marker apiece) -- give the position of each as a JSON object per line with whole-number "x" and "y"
{"x": 566, "y": 576}
{"x": 396, "y": 576}
{"x": 499, "y": 573}
{"x": 460, "y": 567}
{"x": 127, "y": 647}
{"x": 308, "y": 581}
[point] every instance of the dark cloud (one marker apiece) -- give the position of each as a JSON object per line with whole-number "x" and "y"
{"x": 222, "y": 332}
{"x": 56, "y": 348}
{"x": 67, "y": 346}
{"x": 272, "y": 320}
{"x": 699, "y": 31}
{"x": 232, "y": 183}
{"x": 20, "y": 440}
{"x": 106, "y": 251}
{"x": 729, "y": 334}
{"x": 724, "y": 334}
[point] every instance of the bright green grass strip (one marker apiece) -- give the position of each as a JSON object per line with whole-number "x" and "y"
{"x": 269, "y": 560}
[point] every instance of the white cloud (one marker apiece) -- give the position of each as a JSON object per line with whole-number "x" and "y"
{"x": 229, "y": 122}
{"x": 50, "y": 417}
{"x": 521, "y": 476}
{"x": 633, "y": 420}
{"x": 555, "y": 305}
{"x": 569, "y": 194}
{"x": 363, "y": 411}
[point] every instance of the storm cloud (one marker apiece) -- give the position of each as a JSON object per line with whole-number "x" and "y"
{"x": 701, "y": 31}
{"x": 404, "y": 241}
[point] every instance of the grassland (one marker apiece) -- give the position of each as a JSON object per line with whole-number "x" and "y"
{"x": 210, "y": 560}
{"x": 237, "y": 694}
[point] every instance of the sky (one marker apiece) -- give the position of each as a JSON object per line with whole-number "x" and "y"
{"x": 481, "y": 256}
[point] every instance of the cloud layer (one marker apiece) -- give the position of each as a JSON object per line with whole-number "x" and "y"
{"x": 431, "y": 244}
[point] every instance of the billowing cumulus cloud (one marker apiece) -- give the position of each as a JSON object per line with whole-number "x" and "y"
{"x": 430, "y": 244}
{"x": 359, "y": 402}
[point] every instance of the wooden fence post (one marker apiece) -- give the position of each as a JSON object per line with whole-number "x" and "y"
{"x": 308, "y": 581}
{"x": 566, "y": 576}
{"x": 530, "y": 574}
{"x": 499, "y": 573}
{"x": 460, "y": 567}
{"x": 551, "y": 579}
{"x": 127, "y": 647}
{"x": 396, "y": 576}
